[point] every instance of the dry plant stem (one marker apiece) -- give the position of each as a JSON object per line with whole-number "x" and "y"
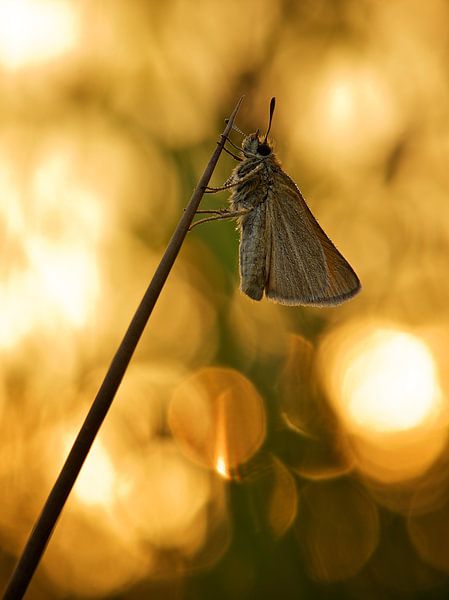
{"x": 45, "y": 524}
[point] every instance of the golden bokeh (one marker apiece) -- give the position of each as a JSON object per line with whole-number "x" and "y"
{"x": 139, "y": 503}
{"x": 253, "y": 450}
{"x": 273, "y": 495}
{"x": 337, "y": 529}
{"x": 261, "y": 331}
{"x": 35, "y": 31}
{"x": 384, "y": 385}
{"x": 428, "y": 533}
{"x": 317, "y": 446}
{"x": 343, "y": 93}
{"x": 218, "y": 418}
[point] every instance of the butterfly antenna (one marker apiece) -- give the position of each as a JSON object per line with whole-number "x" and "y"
{"x": 272, "y": 105}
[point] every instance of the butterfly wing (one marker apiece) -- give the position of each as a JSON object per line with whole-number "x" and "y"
{"x": 302, "y": 264}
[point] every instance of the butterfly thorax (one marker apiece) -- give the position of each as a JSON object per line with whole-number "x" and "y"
{"x": 256, "y": 173}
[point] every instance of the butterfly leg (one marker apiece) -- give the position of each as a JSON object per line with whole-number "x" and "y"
{"x": 232, "y": 154}
{"x": 232, "y": 183}
{"x": 229, "y": 151}
{"x": 221, "y": 214}
{"x": 218, "y": 211}
{"x": 225, "y": 186}
{"x": 232, "y": 143}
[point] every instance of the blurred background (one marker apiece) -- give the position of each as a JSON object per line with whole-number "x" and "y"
{"x": 254, "y": 450}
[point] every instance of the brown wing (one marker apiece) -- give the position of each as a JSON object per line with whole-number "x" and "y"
{"x": 303, "y": 265}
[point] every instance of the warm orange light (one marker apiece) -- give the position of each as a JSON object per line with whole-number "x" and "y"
{"x": 97, "y": 479}
{"x": 167, "y": 498}
{"x": 33, "y": 31}
{"x": 221, "y": 468}
{"x": 390, "y": 384}
{"x": 59, "y": 285}
{"x": 218, "y": 418}
{"x": 53, "y": 225}
{"x": 65, "y": 277}
{"x": 348, "y": 94}
{"x": 350, "y": 111}
{"x": 354, "y": 102}
{"x": 384, "y": 386}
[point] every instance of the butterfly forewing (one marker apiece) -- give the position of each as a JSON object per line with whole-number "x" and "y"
{"x": 302, "y": 264}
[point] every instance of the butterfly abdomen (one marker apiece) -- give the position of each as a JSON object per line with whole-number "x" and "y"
{"x": 252, "y": 194}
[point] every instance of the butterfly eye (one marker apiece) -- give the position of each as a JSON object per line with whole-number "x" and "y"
{"x": 264, "y": 149}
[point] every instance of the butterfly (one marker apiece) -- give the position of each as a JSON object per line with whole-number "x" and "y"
{"x": 284, "y": 252}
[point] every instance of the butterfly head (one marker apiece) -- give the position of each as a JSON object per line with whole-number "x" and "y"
{"x": 253, "y": 145}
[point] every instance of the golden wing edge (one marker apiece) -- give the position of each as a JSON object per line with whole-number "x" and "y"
{"x": 321, "y": 302}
